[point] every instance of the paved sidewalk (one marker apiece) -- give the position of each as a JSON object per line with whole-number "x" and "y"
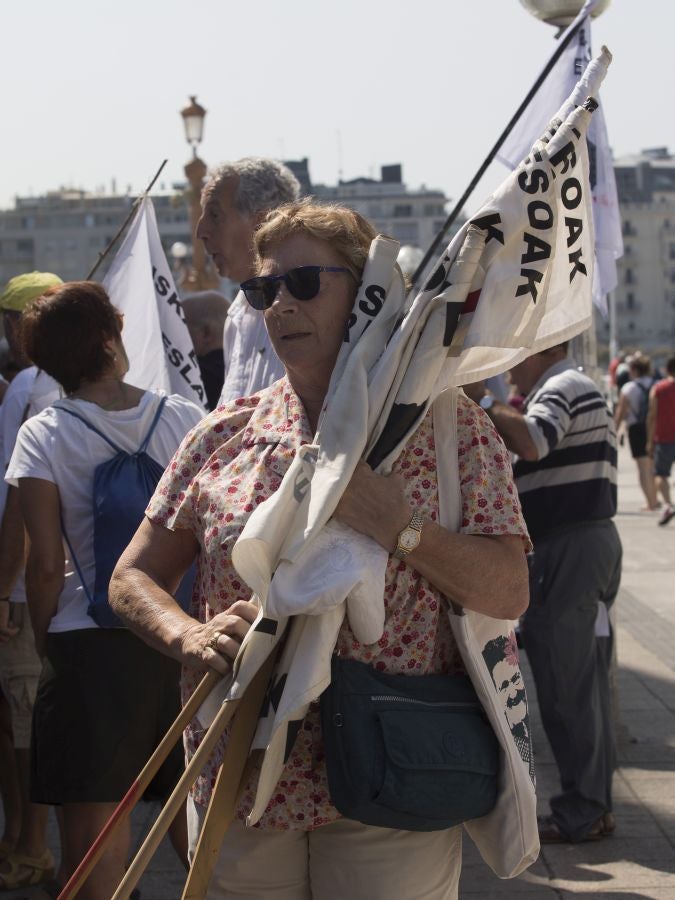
{"x": 638, "y": 862}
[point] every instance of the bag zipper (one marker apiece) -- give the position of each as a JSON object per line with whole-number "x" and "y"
{"x": 380, "y": 698}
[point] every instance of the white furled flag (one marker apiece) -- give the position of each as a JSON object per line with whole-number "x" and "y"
{"x": 553, "y": 93}
{"x": 155, "y": 336}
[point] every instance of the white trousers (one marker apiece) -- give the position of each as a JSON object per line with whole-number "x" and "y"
{"x": 341, "y": 861}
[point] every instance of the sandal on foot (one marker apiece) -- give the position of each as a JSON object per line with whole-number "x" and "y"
{"x": 26, "y": 871}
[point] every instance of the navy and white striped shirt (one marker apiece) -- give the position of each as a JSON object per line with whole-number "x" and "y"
{"x": 574, "y": 478}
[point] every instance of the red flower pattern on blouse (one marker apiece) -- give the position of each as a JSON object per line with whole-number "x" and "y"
{"x": 233, "y": 460}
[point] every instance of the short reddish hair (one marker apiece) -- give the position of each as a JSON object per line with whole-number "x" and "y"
{"x": 64, "y": 330}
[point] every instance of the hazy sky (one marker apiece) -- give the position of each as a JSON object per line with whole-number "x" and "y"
{"x": 92, "y": 88}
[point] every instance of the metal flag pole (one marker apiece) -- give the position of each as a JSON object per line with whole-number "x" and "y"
{"x": 564, "y": 42}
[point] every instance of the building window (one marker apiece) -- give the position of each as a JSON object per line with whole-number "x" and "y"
{"x": 630, "y": 301}
{"x": 671, "y": 251}
{"x": 402, "y": 210}
{"x": 629, "y": 278}
{"x": 406, "y": 232}
{"x": 24, "y": 246}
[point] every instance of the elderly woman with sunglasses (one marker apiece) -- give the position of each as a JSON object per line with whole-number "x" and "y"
{"x": 310, "y": 260}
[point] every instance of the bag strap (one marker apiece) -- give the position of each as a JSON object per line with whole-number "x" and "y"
{"x": 444, "y": 417}
{"x": 74, "y": 561}
{"x": 158, "y": 414}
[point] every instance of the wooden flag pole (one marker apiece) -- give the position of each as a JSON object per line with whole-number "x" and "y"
{"x": 180, "y": 792}
{"x": 135, "y": 792}
{"x": 233, "y": 775}
{"x": 132, "y": 213}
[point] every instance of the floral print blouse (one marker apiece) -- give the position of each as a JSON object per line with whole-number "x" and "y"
{"x": 232, "y": 461}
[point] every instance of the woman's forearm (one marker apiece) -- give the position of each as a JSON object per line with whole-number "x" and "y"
{"x": 484, "y": 573}
{"x": 149, "y": 610}
{"x": 141, "y": 593}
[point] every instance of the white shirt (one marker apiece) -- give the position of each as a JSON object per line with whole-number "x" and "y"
{"x": 57, "y": 447}
{"x": 250, "y": 361}
{"x": 634, "y": 395}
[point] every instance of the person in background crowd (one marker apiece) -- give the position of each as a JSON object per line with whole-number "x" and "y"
{"x": 205, "y": 314}
{"x": 234, "y": 202}
{"x": 632, "y": 407}
{"x": 104, "y": 699}
{"x": 30, "y": 861}
{"x": 566, "y": 479}
{"x": 661, "y": 436}
{"x": 622, "y": 371}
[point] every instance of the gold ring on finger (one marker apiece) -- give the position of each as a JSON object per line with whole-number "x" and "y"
{"x": 213, "y": 642}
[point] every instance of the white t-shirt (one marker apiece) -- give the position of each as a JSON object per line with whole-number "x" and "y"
{"x": 250, "y": 361}
{"x": 44, "y": 392}
{"x": 634, "y": 391}
{"x": 57, "y": 447}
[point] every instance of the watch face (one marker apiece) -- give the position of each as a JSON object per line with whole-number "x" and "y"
{"x": 409, "y": 539}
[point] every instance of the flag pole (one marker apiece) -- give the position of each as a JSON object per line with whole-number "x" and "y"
{"x": 132, "y": 213}
{"x": 564, "y": 42}
{"x": 135, "y": 792}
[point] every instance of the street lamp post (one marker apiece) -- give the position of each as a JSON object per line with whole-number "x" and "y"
{"x": 200, "y": 276}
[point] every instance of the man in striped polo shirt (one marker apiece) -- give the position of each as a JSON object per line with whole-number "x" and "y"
{"x": 565, "y": 472}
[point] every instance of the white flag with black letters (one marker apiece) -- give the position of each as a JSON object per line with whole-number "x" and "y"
{"x": 155, "y": 336}
{"x": 555, "y": 90}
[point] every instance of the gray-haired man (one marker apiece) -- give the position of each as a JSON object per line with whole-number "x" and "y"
{"x": 234, "y": 202}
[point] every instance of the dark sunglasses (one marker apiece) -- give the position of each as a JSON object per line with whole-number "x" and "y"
{"x": 303, "y": 283}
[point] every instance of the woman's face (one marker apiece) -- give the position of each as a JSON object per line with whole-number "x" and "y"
{"x": 307, "y": 334}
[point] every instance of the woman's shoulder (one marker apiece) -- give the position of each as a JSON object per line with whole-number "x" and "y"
{"x": 224, "y": 422}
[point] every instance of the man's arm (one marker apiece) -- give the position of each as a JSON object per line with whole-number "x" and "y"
{"x": 514, "y": 431}
{"x": 651, "y": 421}
{"x": 11, "y": 559}
{"x": 511, "y": 424}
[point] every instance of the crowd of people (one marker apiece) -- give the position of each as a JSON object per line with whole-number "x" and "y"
{"x": 97, "y": 672}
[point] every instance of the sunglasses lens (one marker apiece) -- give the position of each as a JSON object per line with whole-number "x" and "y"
{"x": 304, "y": 282}
{"x": 254, "y": 290}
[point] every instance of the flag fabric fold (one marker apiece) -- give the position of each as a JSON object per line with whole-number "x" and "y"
{"x": 156, "y": 338}
{"x": 515, "y": 280}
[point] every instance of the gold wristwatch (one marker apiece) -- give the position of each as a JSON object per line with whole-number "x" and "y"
{"x": 410, "y": 537}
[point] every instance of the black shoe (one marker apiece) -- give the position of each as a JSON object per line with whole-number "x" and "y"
{"x": 550, "y": 832}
